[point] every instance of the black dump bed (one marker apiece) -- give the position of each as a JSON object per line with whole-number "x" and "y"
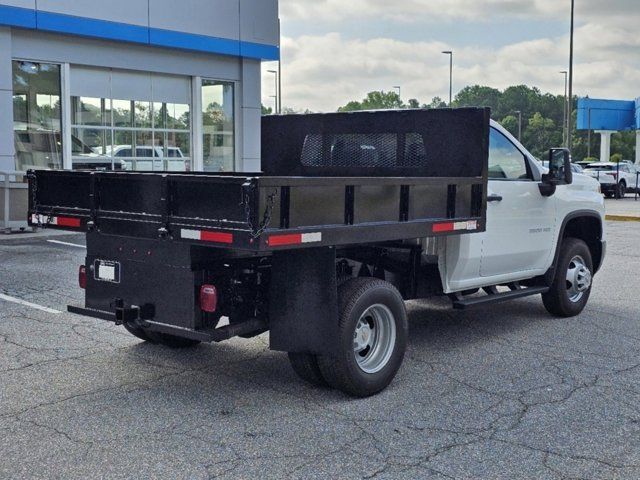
{"x": 330, "y": 179}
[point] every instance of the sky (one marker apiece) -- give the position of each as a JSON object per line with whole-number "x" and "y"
{"x": 334, "y": 51}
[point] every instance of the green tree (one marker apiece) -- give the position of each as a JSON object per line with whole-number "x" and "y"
{"x": 478, "y": 96}
{"x": 510, "y": 122}
{"x": 267, "y": 110}
{"x": 540, "y": 135}
{"x": 437, "y": 102}
{"x": 375, "y": 101}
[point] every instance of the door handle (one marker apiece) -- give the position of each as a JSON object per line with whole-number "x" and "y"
{"x": 494, "y": 198}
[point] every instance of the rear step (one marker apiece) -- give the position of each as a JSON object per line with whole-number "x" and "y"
{"x": 493, "y": 296}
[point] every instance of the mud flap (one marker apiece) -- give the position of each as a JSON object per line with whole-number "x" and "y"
{"x": 303, "y": 309}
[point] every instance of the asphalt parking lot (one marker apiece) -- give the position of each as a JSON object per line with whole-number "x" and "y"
{"x": 508, "y": 392}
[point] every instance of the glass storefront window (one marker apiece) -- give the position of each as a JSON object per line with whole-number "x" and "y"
{"x": 37, "y": 115}
{"x": 122, "y": 113}
{"x": 88, "y": 111}
{"x": 218, "y": 124}
{"x": 137, "y": 135}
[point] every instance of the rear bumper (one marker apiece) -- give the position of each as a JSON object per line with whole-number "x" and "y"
{"x": 215, "y": 335}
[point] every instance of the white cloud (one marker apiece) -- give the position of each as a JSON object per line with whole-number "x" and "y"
{"x": 322, "y": 72}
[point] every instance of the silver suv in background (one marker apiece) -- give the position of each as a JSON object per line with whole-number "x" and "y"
{"x": 149, "y": 158}
{"x": 616, "y": 179}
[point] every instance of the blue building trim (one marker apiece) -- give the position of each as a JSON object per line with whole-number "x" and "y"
{"x": 259, "y": 50}
{"x": 108, "y": 30}
{"x": 17, "y": 17}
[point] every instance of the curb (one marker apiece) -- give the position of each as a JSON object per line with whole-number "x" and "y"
{"x": 623, "y": 218}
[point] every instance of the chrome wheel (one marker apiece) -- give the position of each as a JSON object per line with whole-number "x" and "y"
{"x": 374, "y": 338}
{"x": 579, "y": 279}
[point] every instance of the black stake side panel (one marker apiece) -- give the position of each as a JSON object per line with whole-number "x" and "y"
{"x": 447, "y": 182}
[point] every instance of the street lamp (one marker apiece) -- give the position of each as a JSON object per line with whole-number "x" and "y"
{"x": 399, "y": 88}
{"x": 275, "y": 73}
{"x": 519, "y": 112}
{"x": 565, "y": 129}
{"x": 279, "y": 68}
{"x": 450, "y": 53}
{"x": 570, "y": 109}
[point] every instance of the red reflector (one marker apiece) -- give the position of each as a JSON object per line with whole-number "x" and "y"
{"x": 82, "y": 277}
{"x": 281, "y": 240}
{"x": 216, "y": 237}
{"x": 443, "y": 227}
{"x": 68, "y": 222}
{"x": 208, "y": 298}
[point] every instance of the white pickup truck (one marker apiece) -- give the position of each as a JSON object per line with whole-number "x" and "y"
{"x": 353, "y": 214}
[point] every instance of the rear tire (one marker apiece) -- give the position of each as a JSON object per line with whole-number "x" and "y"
{"x": 171, "y": 341}
{"x": 571, "y": 287}
{"x": 372, "y": 338}
{"x": 306, "y": 367}
{"x": 137, "y": 332}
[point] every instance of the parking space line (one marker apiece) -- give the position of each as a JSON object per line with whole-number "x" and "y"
{"x": 58, "y": 242}
{"x": 7, "y": 298}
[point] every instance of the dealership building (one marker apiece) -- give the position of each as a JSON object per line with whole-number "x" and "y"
{"x": 133, "y": 84}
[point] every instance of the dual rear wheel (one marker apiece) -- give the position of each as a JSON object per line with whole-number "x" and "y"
{"x": 372, "y": 330}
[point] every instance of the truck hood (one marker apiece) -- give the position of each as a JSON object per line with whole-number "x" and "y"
{"x": 585, "y": 182}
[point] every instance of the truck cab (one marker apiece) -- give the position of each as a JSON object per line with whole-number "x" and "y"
{"x": 524, "y": 227}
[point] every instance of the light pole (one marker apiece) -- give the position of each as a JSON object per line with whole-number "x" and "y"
{"x": 399, "y": 88}
{"x": 279, "y": 68}
{"x": 519, "y": 112}
{"x": 565, "y": 130}
{"x": 277, "y": 110}
{"x": 570, "y": 99}
{"x": 450, "y": 53}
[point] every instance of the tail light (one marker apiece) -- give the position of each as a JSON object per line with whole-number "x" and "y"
{"x": 208, "y": 298}
{"x": 82, "y": 277}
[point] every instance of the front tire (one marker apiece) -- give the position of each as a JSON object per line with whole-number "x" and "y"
{"x": 372, "y": 338}
{"x": 571, "y": 287}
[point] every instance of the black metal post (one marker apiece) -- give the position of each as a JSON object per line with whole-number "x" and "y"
{"x": 570, "y": 117}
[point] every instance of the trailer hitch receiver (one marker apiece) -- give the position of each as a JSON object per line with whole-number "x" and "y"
{"x": 127, "y": 315}
{"x": 133, "y": 313}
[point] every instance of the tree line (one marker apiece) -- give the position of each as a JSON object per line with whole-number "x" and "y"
{"x": 542, "y": 117}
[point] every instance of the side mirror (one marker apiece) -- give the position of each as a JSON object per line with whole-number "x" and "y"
{"x": 560, "y": 172}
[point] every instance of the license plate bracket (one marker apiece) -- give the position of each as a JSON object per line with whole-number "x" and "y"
{"x": 107, "y": 271}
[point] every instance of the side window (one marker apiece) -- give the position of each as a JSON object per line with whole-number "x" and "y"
{"x": 506, "y": 162}
{"x": 125, "y": 152}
